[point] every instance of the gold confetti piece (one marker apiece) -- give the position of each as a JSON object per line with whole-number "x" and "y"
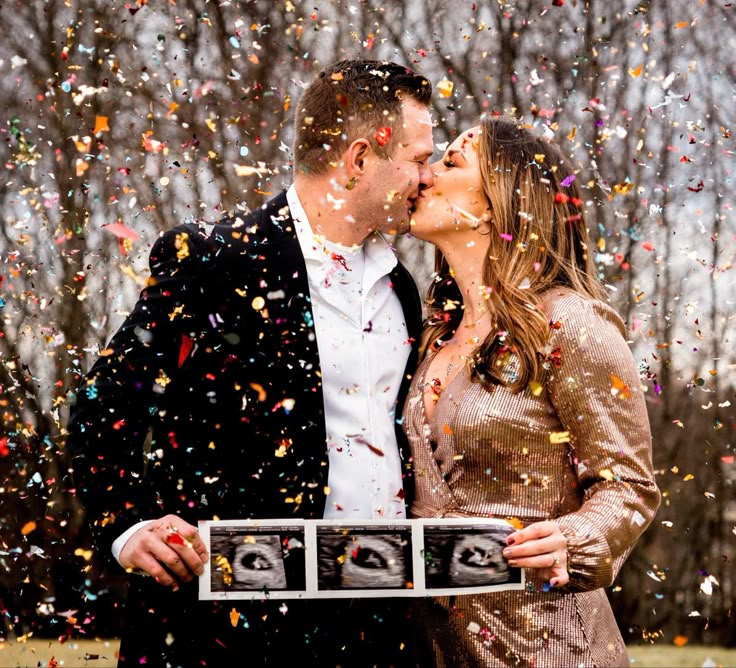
{"x": 261, "y": 392}
{"x": 515, "y": 522}
{"x": 181, "y": 245}
{"x": 557, "y": 437}
{"x": 28, "y": 527}
{"x": 248, "y": 170}
{"x": 535, "y": 387}
{"x": 635, "y": 72}
{"x": 101, "y": 124}
{"x": 83, "y": 145}
{"x": 234, "y": 617}
{"x": 81, "y": 166}
{"x": 681, "y": 24}
{"x": 679, "y": 641}
{"x": 258, "y": 303}
{"x": 447, "y": 429}
{"x": 622, "y": 188}
{"x": 444, "y": 88}
{"x": 85, "y": 554}
{"x": 223, "y": 565}
{"x": 607, "y": 474}
{"x": 163, "y": 380}
{"x": 619, "y": 388}
{"x": 689, "y": 476}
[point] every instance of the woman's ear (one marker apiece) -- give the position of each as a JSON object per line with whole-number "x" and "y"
{"x": 356, "y": 155}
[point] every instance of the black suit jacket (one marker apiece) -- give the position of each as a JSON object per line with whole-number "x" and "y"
{"x": 218, "y": 365}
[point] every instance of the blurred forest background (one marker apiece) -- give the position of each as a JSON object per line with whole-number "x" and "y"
{"x": 121, "y": 119}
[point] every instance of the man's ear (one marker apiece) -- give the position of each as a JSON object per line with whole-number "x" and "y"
{"x": 356, "y": 155}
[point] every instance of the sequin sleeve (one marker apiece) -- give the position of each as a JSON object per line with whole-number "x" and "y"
{"x": 594, "y": 387}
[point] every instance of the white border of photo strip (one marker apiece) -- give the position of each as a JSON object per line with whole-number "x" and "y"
{"x": 498, "y": 579}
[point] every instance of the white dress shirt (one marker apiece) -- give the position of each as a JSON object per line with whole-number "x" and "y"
{"x": 363, "y": 349}
{"x": 363, "y": 346}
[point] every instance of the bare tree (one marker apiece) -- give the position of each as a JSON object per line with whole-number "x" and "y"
{"x": 122, "y": 119}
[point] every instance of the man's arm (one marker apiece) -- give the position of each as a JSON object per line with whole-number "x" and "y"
{"x": 117, "y": 401}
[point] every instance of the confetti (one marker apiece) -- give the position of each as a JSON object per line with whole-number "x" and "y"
{"x": 383, "y": 135}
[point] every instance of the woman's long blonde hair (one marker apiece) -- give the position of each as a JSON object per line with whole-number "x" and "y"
{"x": 538, "y": 240}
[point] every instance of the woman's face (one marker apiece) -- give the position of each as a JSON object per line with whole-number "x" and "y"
{"x": 456, "y": 201}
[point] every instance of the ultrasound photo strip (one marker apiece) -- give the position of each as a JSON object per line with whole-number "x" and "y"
{"x": 304, "y": 559}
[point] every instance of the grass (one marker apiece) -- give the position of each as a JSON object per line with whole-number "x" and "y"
{"x": 45, "y": 653}
{"x": 696, "y": 656}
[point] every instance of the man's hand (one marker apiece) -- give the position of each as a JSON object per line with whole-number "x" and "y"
{"x": 169, "y": 550}
{"x": 541, "y": 546}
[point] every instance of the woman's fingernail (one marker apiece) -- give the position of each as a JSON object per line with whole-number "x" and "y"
{"x": 513, "y": 562}
{"x": 506, "y": 552}
{"x": 510, "y": 540}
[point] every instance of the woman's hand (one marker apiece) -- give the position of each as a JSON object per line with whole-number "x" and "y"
{"x": 541, "y": 546}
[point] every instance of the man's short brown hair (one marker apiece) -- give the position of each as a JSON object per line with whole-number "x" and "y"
{"x": 352, "y": 99}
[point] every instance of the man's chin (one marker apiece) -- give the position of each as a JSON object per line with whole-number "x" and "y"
{"x": 399, "y": 226}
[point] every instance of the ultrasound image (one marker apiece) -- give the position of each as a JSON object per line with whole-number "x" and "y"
{"x": 363, "y": 560}
{"x": 468, "y": 559}
{"x": 246, "y": 561}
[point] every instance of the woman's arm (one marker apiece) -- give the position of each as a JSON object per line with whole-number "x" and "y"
{"x": 594, "y": 387}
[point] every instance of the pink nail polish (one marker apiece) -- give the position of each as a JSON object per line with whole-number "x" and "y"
{"x": 510, "y": 540}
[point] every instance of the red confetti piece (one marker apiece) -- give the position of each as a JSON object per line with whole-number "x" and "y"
{"x": 341, "y": 261}
{"x": 174, "y": 538}
{"x": 383, "y": 135}
{"x": 186, "y": 347}
{"x": 121, "y": 231}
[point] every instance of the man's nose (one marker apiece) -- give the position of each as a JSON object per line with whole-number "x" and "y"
{"x": 426, "y": 177}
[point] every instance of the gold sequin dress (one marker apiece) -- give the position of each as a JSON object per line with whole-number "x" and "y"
{"x": 495, "y": 453}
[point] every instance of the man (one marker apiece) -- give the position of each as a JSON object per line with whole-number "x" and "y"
{"x": 266, "y": 358}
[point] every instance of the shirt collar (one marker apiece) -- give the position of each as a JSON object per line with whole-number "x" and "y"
{"x": 378, "y": 253}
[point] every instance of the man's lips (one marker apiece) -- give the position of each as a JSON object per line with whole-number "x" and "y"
{"x": 414, "y": 201}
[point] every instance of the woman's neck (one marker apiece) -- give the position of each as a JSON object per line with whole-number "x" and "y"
{"x": 466, "y": 262}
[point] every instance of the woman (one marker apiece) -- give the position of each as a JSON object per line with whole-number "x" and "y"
{"x": 527, "y": 405}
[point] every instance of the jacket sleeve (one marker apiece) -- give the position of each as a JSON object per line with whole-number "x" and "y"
{"x": 117, "y": 400}
{"x": 595, "y": 389}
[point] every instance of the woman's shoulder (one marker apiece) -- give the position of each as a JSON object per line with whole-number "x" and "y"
{"x": 565, "y": 306}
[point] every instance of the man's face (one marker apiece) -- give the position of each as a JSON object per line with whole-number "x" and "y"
{"x": 394, "y": 185}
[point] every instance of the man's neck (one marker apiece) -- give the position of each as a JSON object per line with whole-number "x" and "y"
{"x": 330, "y": 210}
